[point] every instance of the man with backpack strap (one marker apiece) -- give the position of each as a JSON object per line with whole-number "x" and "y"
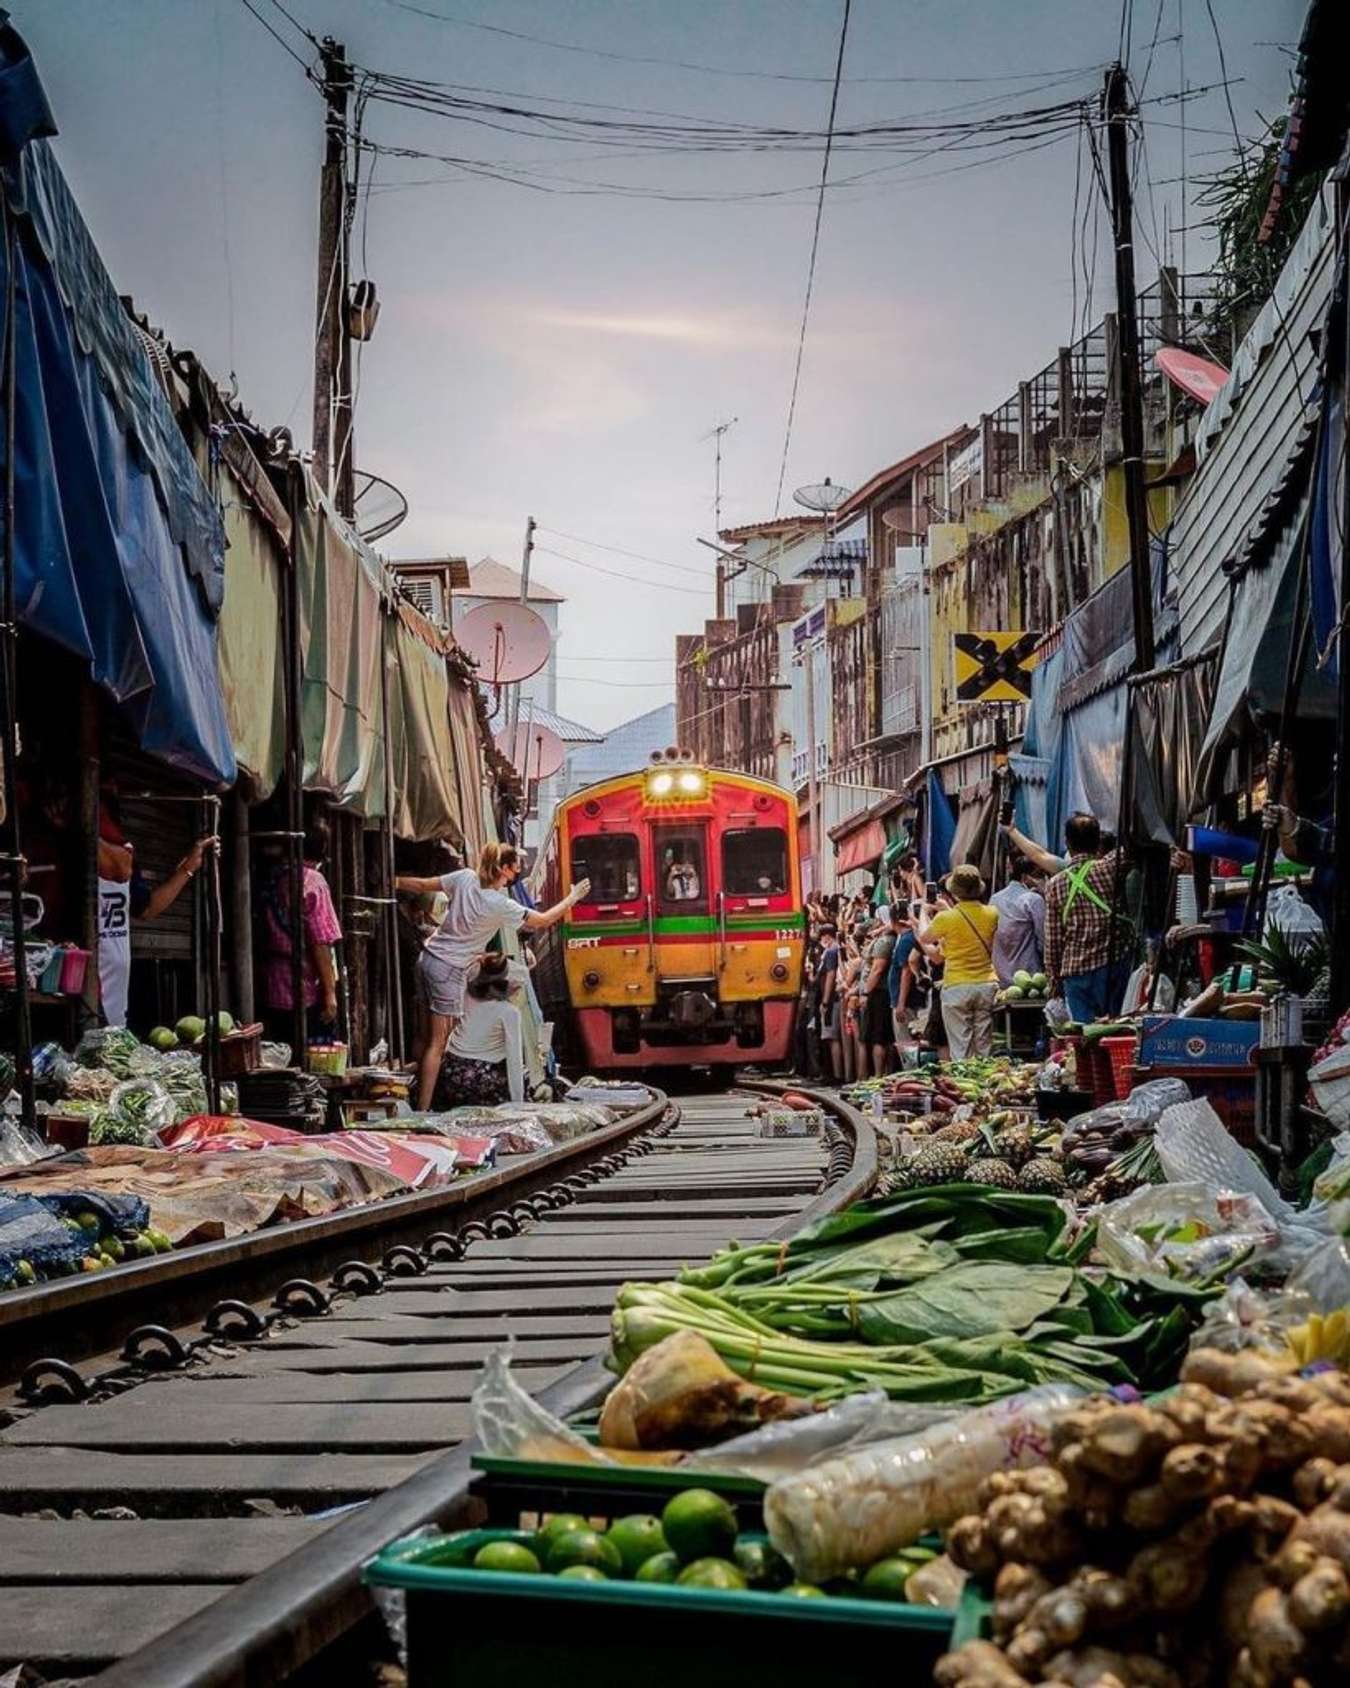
{"x": 1079, "y": 923}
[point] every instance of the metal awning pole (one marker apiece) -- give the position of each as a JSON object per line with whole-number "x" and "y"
{"x": 295, "y": 774}
{"x": 23, "y": 1011}
{"x": 390, "y": 912}
{"x": 210, "y": 822}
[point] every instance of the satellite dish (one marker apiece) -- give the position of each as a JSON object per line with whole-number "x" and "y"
{"x": 379, "y": 506}
{"x": 536, "y": 752}
{"x": 824, "y": 497}
{"x": 899, "y": 518}
{"x": 508, "y": 640}
{"x": 1197, "y": 376}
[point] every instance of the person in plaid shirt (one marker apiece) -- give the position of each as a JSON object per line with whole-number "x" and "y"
{"x": 1078, "y": 925}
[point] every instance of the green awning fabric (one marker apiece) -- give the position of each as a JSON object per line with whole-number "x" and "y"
{"x": 427, "y": 803}
{"x": 340, "y": 647}
{"x": 472, "y": 787}
{"x": 250, "y": 654}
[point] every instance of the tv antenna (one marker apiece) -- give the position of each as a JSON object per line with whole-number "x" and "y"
{"x": 715, "y": 434}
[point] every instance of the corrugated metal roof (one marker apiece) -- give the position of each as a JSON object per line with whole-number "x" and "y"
{"x": 1249, "y": 434}
{"x": 570, "y": 732}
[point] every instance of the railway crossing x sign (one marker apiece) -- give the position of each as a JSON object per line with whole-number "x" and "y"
{"x": 994, "y": 667}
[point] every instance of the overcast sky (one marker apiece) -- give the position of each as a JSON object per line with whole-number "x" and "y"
{"x": 563, "y": 354}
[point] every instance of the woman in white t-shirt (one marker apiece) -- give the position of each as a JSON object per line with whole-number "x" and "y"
{"x": 479, "y": 908}
{"x": 485, "y": 1057}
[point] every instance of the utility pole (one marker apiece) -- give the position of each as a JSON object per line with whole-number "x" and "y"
{"x": 1118, "y": 114}
{"x": 527, "y": 553}
{"x": 812, "y": 787}
{"x": 332, "y": 344}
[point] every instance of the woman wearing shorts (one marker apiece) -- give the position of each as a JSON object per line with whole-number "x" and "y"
{"x": 480, "y": 908}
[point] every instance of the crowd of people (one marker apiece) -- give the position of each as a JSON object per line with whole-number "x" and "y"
{"x": 912, "y": 964}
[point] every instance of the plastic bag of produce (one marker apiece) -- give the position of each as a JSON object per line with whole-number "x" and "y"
{"x": 1151, "y": 1100}
{"x": 20, "y": 1147}
{"x": 778, "y": 1450}
{"x": 90, "y": 1084}
{"x": 1244, "y": 1317}
{"x": 137, "y": 1110}
{"x": 1186, "y": 1231}
{"x": 870, "y": 1502}
{"x": 512, "y": 1425}
{"x": 1324, "y": 1276}
{"x": 110, "y": 1047}
{"x": 51, "y": 1065}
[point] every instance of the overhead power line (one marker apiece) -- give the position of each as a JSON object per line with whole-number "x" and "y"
{"x": 614, "y": 574}
{"x": 637, "y": 556}
{"x": 435, "y": 16}
{"x": 278, "y": 37}
{"x": 815, "y": 249}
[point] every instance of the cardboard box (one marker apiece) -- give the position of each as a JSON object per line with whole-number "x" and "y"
{"x": 1169, "y": 1041}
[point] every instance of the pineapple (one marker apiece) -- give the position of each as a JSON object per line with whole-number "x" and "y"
{"x": 1016, "y": 1145}
{"x": 1042, "y": 1176}
{"x": 961, "y": 1131}
{"x": 940, "y": 1163}
{"x": 996, "y": 1173}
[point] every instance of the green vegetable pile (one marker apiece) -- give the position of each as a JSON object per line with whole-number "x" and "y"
{"x": 695, "y": 1543}
{"x": 959, "y": 1293}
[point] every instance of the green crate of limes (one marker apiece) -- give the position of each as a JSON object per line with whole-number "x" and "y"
{"x": 689, "y": 1596}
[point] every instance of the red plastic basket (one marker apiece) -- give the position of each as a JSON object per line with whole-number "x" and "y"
{"x": 1120, "y": 1055}
{"x": 1230, "y": 1091}
{"x": 1093, "y": 1066}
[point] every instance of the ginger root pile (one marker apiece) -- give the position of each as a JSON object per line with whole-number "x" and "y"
{"x": 1200, "y": 1541}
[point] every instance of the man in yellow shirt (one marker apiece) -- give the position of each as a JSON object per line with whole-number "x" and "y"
{"x": 963, "y": 938}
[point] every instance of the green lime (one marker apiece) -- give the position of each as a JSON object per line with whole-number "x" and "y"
{"x": 581, "y": 1573}
{"x": 699, "y": 1525}
{"x": 886, "y": 1580}
{"x": 638, "y": 1538}
{"x": 660, "y": 1568}
{"x": 505, "y": 1556}
{"x": 711, "y": 1573}
{"x": 761, "y": 1565}
{"x": 88, "y": 1222}
{"x": 560, "y": 1523}
{"x": 583, "y": 1547}
{"x": 805, "y": 1591}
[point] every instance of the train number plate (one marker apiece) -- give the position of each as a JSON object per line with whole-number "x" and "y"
{"x": 583, "y": 943}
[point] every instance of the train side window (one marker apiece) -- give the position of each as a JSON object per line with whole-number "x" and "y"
{"x": 610, "y": 861}
{"x": 755, "y": 862}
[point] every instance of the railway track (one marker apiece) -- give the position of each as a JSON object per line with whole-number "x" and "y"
{"x": 206, "y": 1523}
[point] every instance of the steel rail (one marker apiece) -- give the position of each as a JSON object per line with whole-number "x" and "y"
{"x": 269, "y": 1628}
{"x": 74, "y": 1318}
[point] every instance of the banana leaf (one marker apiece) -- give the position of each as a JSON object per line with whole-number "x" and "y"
{"x": 974, "y": 1298}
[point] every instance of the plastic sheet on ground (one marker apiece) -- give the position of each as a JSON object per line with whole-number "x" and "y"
{"x": 519, "y": 1127}
{"x": 29, "y": 1231}
{"x": 197, "y": 1198}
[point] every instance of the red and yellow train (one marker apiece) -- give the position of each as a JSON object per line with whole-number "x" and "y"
{"x": 688, "y": 950}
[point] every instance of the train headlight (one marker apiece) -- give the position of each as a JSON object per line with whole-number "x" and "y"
{"x": 661, "y": 785}
{"x": 778, "y": 971}
{"x": 692, "y": 783}
{"x": 590, "y": 980}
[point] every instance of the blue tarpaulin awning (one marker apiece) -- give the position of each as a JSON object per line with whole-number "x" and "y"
{"x": 118, "y": 544}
